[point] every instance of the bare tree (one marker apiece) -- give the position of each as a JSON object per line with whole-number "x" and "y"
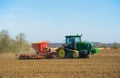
{"x": 115, "y": 45}
{"x": 7, "y": 44}
{"x": 5, "y": 41}
{"x": 21, "y": 43}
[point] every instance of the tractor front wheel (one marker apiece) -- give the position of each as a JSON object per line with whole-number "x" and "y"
{"x": 61, "y": 53}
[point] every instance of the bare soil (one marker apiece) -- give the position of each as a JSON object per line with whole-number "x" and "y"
{"x": 105, "y": 64}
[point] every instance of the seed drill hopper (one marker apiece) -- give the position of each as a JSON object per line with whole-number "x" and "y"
{"x": 41, "y": 51}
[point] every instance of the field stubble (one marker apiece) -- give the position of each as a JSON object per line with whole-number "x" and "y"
{"x": 105, "y": 64}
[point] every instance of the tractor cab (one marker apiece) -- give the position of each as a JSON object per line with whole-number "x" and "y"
{"x": 71, "y": 41}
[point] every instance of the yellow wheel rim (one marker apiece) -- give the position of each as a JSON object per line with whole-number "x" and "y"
{"x": 61, "y": 53}
{"x": 75, "y": 55}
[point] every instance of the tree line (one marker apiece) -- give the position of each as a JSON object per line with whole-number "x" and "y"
{"x": 20, "y": 44}
{"x": 114, "y": 45}
{"x": 9, "y": 44}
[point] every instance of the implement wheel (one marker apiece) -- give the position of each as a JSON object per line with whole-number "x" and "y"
{"x": 75, "y": 54}
{"x": 61, "y": 53}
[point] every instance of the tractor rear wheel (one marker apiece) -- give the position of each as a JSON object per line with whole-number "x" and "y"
{"x": 75, "y": 54}
{"x": 83, "y": 53}
{"x": 61, "y": 53}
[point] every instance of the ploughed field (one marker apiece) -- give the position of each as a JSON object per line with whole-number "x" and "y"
{"x": 105, "y": 64}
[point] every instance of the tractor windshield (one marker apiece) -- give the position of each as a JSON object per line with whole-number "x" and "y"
{"x": 77, "y": 39}
{"x": 69, "y": 40}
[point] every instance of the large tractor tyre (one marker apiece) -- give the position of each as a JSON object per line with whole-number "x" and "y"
{"x": 83, "y": 54}
{"x": 61, "y": 53}
{"x": 75, "y": 54}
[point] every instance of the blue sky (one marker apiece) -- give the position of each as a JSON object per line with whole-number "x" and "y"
{"x": 97, "y": 20}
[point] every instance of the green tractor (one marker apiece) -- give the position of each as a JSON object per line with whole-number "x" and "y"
{"x": 75, "y": 48}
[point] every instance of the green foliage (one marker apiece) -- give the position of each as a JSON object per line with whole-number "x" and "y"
{"x": 7, "y": 44}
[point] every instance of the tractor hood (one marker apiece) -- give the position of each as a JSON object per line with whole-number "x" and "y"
{"x": 84, "y": 46}
{"x": 87, "y": 46}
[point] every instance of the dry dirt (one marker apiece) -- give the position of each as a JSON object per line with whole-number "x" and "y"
{"x": 105, "y": 64}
